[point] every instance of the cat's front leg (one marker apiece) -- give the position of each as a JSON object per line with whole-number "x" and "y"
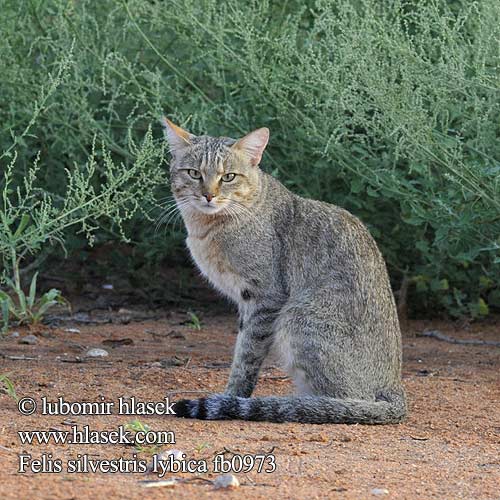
{"x": 255, "y": 337}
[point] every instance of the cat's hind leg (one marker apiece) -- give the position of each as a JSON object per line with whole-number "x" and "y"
{"x": 326, "y": 351}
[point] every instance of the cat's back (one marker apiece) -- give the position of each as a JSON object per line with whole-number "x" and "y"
{"x": 325, "y": 234}
{"x": 333, "y": 262}
{"x": 324, "y": 246}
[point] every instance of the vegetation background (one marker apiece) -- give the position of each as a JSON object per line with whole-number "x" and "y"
{"x": 390, "y": 109}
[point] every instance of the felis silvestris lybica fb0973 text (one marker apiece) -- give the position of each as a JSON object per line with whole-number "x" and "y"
{"x": 308, "y": 280}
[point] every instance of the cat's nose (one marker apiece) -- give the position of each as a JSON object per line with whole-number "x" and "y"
{"x": 208, "y": 196}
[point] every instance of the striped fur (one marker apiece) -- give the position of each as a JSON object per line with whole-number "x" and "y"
{"x": 303, "y": 409}
{"x": 309, "y": 282}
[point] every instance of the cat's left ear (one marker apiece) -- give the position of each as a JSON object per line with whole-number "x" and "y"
{"x": 177, "y": 137}
{"x": 253, "y": 145}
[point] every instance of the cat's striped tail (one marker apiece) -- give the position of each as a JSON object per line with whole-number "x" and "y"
{"x": 388, "y": 408}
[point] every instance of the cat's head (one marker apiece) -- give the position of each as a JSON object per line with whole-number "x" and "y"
{"x": 214, "y": 174}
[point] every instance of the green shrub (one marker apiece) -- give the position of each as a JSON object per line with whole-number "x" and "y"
{"x": 94, "y": 195}
{"x": 390, "y": 109}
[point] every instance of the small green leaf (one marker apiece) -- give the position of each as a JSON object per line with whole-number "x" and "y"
{"x": 4, "y": 296}
{"x": 49, "y": 296}
{"x": 483, "y": 308}
{"x": 5, "y": 314}
{"x": 22, "y": 301}
{"x": 437, "y": 284}
{"x": 444, "y": 284}
{"x": 49, "y": 299}
{"x": 422, "y": 245}
{"x": 9, "y": 386}
{"x": 195, "y": 322}
{"x": 357, "y": 185}
{"x": 32, "y": 294}
{"x": 42, "y": 310}
{"x": 421, "y": 286}
{"x": 10, "y": 283}
{"x": 413, "y": 220}
{"x": 22, "y": 225}
{"x": 10, "y": 304}
{"x": 485, "y": 282}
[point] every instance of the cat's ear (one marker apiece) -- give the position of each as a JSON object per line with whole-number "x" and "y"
{"x": 253, "y": 144}
{"x": 177, "y": 137}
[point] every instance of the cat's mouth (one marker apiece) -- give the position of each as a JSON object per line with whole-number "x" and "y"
{"x": 209, "y": 208}
{"x": 201, "y": 205}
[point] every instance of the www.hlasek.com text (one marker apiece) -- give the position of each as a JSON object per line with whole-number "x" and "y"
{"x": 85, "y": 435}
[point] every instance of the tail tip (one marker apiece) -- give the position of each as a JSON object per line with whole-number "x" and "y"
{"x": 182, "y": 408}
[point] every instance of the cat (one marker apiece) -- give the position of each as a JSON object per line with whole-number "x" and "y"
{"x": 308, "y": 280}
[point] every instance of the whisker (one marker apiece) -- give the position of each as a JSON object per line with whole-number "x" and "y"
{"x": 172, "y": 214}
{"x": 166, "y": 214}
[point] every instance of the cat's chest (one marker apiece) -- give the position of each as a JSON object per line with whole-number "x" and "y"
{"x": 212, "y": 260}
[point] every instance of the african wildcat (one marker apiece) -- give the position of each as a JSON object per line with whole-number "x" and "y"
{"x": 307, "y": 278}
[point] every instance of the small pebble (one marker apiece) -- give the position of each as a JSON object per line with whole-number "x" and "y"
{"x": 380, "y": 491}
{"x": 96, "y": 353}
{"x": 29, "y": 339}
{"x": 72, "y": 330}
{"x": 177, "y": 454}
{"x": 14, "y": 335}
{"x": 226, "y": 481}
{"x": 320, "y": 438}
{"x": 164, "y": 483}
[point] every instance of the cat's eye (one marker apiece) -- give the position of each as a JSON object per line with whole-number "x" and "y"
{"x": 194, "y": 174}
{"x": 228, "y": 177}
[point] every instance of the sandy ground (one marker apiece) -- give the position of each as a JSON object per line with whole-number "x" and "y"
{"x": 448, "y": 447}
